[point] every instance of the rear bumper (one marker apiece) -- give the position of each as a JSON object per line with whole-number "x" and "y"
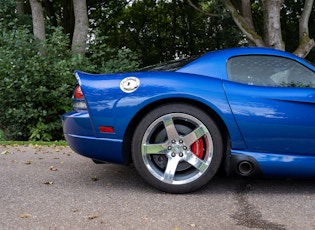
{"x": 79, "y": 134}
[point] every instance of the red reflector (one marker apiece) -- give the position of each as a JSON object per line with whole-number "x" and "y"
{"x": 106, "y": 129}
{"x": 77, "y": 94}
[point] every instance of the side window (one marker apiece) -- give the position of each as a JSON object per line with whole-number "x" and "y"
{"x": 265, "y": 70}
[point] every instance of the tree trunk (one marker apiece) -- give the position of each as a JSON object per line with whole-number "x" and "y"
{"x": 247, "y": 13}
{"x": 272, "y": 36}
{"x": 20, "y": 7}
{"x": 272, "y": 24}
{"x": 306, "y": 43}
{"x": 80, "y": 27}
{"x": 242, "y": 24}
{"x": 38, "y": 22}
{"x": 38, "y": 19}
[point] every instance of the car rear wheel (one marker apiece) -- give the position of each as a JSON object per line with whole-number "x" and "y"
{"x": 177, "y": 148}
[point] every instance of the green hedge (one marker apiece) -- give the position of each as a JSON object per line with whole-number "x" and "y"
{"x": 36, "y": 89}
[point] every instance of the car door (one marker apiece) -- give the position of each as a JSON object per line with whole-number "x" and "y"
{"x": 273, "y": 102}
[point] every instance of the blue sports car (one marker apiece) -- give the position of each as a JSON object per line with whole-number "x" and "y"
{"x": 249, "y": 111}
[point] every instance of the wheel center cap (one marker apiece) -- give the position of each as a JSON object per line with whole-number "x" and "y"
{"x": 177, "y": 149}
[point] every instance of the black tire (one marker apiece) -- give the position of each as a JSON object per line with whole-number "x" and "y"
{"x": 177, "y": 148}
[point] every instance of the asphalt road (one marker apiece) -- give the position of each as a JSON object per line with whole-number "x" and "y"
{"x": 54, "y": 188}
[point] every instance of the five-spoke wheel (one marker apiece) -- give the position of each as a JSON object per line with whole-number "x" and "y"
{"x": 177, "y": 148}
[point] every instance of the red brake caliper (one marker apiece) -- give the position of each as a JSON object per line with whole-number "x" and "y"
{"x": 198, "y": 148}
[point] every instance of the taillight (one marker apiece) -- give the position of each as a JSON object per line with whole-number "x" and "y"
{"x": 78, "y": 99}
{"x": 77, "y": 94}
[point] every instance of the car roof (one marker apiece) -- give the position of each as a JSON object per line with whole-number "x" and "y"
{"x": 214, "y": 63}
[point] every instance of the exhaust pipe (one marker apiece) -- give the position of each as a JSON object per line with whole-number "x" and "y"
{"x": 245, "y": 168}
{"x": 243, "y": 165}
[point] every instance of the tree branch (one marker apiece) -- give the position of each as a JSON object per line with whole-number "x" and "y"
{"x": 303, "y": 23}
{"x": 305, "y": 46}
{"x": 202, "y": 11}
{"x": 243, "y": 26}
{"x": 306, "y": 43}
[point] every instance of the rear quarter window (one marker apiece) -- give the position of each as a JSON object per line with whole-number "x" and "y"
{"x": 263, "y": 70}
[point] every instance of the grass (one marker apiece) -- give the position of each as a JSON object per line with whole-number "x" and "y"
{"x": 41, "y": 143}
{"x": 3, "y": 141}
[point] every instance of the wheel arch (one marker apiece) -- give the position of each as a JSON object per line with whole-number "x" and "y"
{"x": 139, "y": 115}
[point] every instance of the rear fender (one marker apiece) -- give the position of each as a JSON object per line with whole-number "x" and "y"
{"x": 109, "y": 105}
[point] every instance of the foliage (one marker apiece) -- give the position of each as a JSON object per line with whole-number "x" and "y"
{"x": 297, "y": 84}
{"x": 163, "y": 30}
{"x": 2, "y": 136}
{"x": 7, "y": 13}
{"x": 36, "y": 89}
{"x": 33, "y": 143}
{"x": 104, "y": 59}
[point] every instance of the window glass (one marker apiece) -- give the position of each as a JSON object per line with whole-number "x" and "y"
{"x": 269, "y": 71}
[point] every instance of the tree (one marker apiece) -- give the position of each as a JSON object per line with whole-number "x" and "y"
{"x": 163, "y": 30}
{"x": 306, "y": 43}
{"x": 81, "y": 27}
{"x": 271, "y": 35}
{"x": 38, "y": 19}
{"x": 60, "y": 13}
{"x": 20, "y": 7}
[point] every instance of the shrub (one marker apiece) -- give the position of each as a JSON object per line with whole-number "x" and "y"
{"x": 36, "y": 89}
